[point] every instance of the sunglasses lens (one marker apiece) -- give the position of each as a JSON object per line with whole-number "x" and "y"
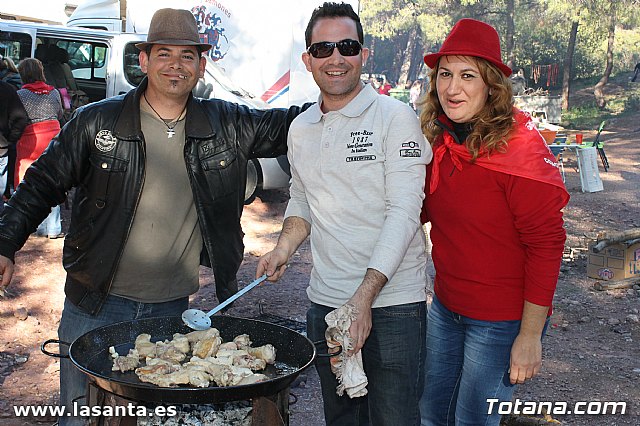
{"x": 324, "y": 49}
{"x": 321, "y": 50}
{"x": 349, "y": 47}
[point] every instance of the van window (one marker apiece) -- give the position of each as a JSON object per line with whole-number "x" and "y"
{"x": 132, "y": 71}
{"x": 75, "y": 64}
{"x": 15, "y": 45}
{"x": 87, "y": 60}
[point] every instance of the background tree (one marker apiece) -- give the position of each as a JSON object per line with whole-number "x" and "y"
{"x": 567, "y": 64}
{"x": 597, "y": 91}
{"x": 401, "y": 31}
{"x": 570, "y": 38}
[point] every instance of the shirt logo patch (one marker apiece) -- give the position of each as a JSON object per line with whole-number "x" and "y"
{"x": 410, "y": 149}
{"x": 361, "y": 158}
{"x": 361, "y": 142}
{"x": 105, "y": 141}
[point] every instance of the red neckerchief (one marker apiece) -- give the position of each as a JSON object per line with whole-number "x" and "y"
{"x": 39, "y": 87}
{"x": 527, "y": 155}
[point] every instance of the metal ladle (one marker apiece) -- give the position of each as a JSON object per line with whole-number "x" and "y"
{"x": 198, "y": 320}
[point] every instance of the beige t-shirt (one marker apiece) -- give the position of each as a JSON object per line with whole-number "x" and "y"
{"x": 162, "y": 255}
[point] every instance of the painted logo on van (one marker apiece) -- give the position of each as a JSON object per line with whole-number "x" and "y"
{"x": 211, "y": 31}
{"x": 105, "y": 141}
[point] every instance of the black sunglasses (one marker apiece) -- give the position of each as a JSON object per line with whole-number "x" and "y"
{"x": 324, "y": 49}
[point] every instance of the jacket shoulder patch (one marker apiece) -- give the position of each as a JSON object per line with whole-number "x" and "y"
{"x": 105, "y": 141}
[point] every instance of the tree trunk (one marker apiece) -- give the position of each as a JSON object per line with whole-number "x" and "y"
{"x": 393, "y": 73}
{"x": 408, "y": 56}
{"x": 417, "y": 61}
{"x": 372, "y": 56}
{"x": 615, "y": 238}
{"x": 568, "y": 63}
{"x": 617, "y": 285}
{"x": 598, "y": 90}
{"x": 511, "y": 29}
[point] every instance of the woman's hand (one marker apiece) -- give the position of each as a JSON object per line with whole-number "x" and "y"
{"x": 526, "y": 358}
{"x": 526, "y": 351}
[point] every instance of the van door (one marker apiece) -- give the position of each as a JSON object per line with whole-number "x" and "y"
{"x": 126, "y": 73}
{"x": 104, "y": 64}
{"x": 87, "y": 58}
{"x": 16, "y": 43}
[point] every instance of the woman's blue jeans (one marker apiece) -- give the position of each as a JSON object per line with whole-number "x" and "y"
{"x": 393, "y": 359}
{"x": 75, "y": 322}
{"x": 467, "y": 363}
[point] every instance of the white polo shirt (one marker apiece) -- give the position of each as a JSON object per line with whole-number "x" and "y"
{"x": 358, "y": 178}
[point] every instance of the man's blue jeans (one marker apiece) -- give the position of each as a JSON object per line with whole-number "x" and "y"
{"x": 75, "y": 323}
{"x": 52, "y": 224}
{"x": 393, "y": 359}
{"x": 467, "y": 363}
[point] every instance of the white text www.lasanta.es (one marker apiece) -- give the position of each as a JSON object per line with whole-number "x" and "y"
{"x": 557, "y": 407}
{"x": 130, "y": 410}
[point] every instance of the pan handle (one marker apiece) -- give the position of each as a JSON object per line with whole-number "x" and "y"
{"x": 53, "y": 341}
{"x": 325, "y": 355}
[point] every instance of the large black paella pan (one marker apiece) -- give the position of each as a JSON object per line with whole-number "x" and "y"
{"x": 90, "y": 353}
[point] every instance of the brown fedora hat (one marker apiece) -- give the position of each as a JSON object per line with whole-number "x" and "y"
{"x": 176, "y": 27}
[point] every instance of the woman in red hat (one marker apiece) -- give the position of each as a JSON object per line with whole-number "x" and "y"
{"x": 494, "y": 198}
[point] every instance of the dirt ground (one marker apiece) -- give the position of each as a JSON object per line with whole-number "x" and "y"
{"x": 591, "y": 351}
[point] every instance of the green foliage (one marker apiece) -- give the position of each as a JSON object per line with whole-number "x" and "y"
{"x": 627, "y": 53}
{"x": 622, "y": 102}
{"x": 632, "y": 104}
{"x": 584, "y": 117}
{"x": 388, "y": 24}
{"x": 541, "y": 30}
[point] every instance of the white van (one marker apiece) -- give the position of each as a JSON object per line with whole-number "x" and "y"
{"x": 105, "y": 64}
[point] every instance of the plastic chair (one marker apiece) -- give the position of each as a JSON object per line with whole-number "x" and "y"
{"x": 557, "y": 152}
{"x": 599, "y": 145}
{"x": 558, "y": 138}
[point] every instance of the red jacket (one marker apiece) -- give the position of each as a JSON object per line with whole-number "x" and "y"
{"x": 497, "y": 227}
{"x": 384, "y": 89}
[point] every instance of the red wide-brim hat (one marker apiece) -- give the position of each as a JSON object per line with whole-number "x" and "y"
{"x": 470, "y": 37}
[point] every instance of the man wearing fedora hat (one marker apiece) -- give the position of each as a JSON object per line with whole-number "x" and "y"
{"x": 494, "y": 198}
{"x": 159, "y": 180}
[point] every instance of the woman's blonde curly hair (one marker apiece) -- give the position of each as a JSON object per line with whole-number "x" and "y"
{"x": 490, "y": 127}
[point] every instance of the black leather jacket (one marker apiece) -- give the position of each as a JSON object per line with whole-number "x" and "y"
{"x": 101, "y": 153}
{"x": 13, "y": 118}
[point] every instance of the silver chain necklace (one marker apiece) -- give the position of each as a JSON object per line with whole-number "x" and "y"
{"x": 171, "y": 124}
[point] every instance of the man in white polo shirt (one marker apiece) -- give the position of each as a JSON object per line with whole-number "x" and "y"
{"x": 358, "y": 168}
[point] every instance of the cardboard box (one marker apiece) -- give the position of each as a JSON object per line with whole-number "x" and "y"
{"x": 615, "y": 262}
